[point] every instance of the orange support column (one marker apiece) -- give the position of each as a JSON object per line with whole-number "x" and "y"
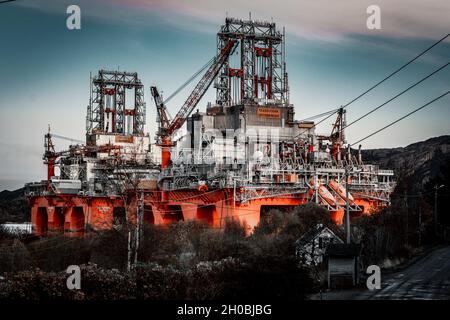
{"x": 67, "y": 219}
{"x": 338, "y": 216}
{"x": 158, "y": 215}
{"x": 207, "y": 214}
{"x": 74, "y": 221}
{"x": 189, "y": 211}
{"x": 40, "y": 220}
{"x": 34, "y": 210}
{"x": 248, "y": 216}
{"x": 101, "y": 214}
{"x": 55, "y": 219}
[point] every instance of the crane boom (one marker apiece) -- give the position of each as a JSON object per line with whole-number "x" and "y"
{"x": 166, "y": 127}
{"x": 163, "y": 118}
{"x": 200, "y": 89}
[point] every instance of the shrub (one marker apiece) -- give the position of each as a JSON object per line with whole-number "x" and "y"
{"x": 36, "y": 285}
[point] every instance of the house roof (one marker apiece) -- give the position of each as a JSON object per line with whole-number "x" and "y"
{"x": 313, "y": 233}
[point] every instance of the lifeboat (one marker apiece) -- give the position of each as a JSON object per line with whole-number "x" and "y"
{"x": 327, "y": 196}
{"x": 203, "y": 188}
{"x": 324, "y": 193}
{"x": 340, "y": 190}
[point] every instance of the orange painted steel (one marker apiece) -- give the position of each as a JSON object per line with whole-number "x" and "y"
{"x": 340, "y": 190}
{"x": 326, "y": 195}
{"x": 165, "y": 152}
{"x": 74, "y": 214}
{"x": 338, "y": 216}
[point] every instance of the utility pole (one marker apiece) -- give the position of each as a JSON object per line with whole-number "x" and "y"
{"x": 234, "y": 197}
{"x": 316, "y": 188}
{"x": 139, "y": 218}
{"x": 129, "y": 249}
{"x": 420, "y": 219}
{"x": 436, "y": 188}
{"x": 347, "y": 207}
{"x": 407, "y": 217}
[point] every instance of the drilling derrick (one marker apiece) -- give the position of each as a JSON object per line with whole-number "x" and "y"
{"x": 109, "y": 110}
{"x": 260, "y": 72}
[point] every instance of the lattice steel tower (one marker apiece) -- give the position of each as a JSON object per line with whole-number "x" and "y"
{"x": 108, "y": 109}
{"x": 261, "y": 73}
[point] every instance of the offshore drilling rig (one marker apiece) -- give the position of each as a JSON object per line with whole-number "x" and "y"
{"x": 243, "y": 156}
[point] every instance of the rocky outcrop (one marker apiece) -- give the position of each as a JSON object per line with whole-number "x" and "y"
{"x": 423, "y": 161}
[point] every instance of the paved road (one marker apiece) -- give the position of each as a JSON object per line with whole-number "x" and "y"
{"x": 427, "y": 278}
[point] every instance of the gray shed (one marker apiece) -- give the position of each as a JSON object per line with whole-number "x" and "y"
{"x": 342, "y": 265}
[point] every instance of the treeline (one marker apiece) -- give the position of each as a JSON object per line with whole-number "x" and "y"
{"x": 190, "y": 260}
{"x": 13, "y": 206}
{"x": 187, "y": 260}
{"x": 397, "y": 232}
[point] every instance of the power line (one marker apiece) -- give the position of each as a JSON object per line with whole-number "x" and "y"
{"x": 66, "y": 138}
{"x": 417, "y": 195}
{"x": 401, "y": 118}
{"x": 381, "y": 81}
{"x": 396, "y": 96}
{"x": 319, "y": 115}
{"x": 316, "y": 124}
{"x": 398, "y": 70}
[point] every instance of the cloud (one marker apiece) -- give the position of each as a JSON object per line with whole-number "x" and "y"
{"x": 318, "y": 20}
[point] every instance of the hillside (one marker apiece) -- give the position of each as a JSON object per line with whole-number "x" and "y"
{"x": 424, "y": 162}
{"x": 13, "y": 206}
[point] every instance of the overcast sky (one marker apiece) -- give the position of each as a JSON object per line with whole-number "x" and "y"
{"x": 331, "y": 58}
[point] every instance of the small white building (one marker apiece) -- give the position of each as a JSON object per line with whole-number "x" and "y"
{"x": 311, "y": 247}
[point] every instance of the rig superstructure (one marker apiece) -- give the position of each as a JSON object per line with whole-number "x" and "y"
{"x": 241, "y": 157}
